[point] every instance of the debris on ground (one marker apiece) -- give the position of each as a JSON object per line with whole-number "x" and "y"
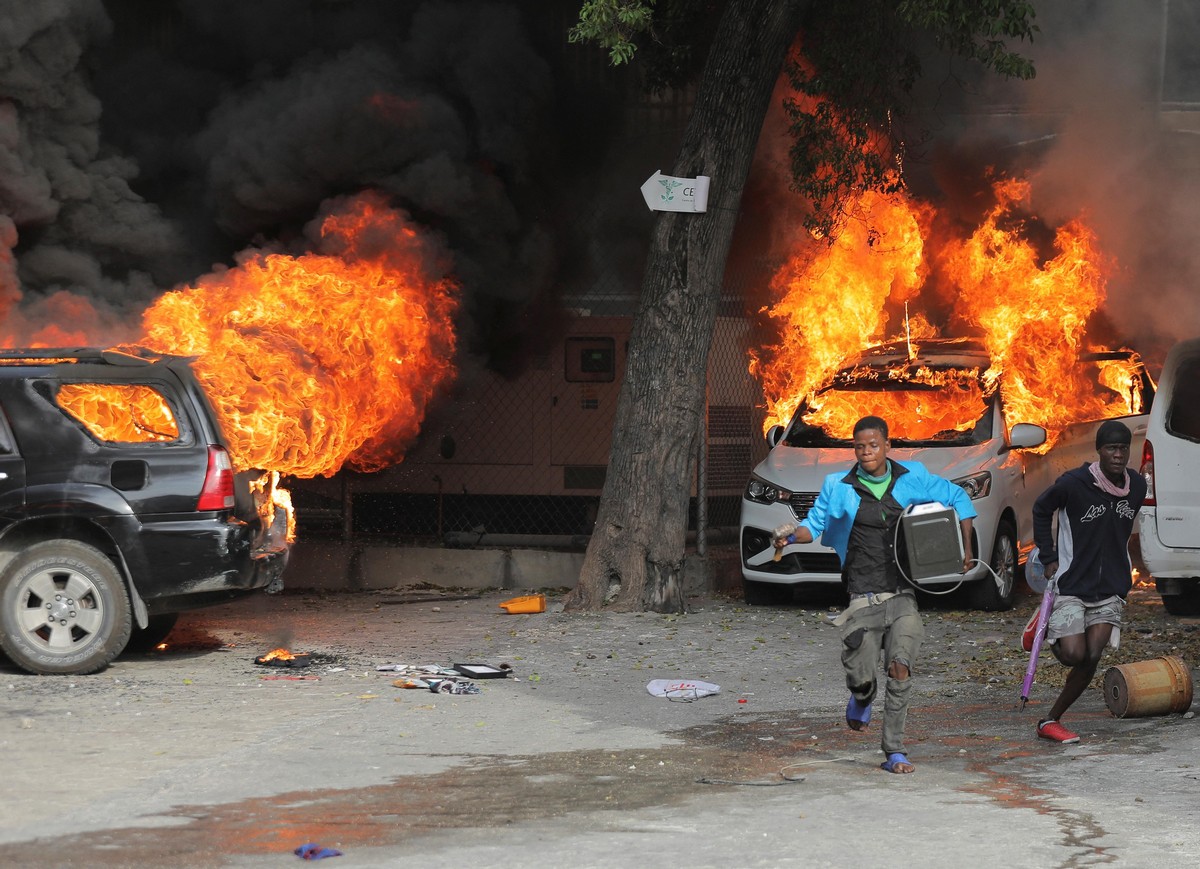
{"x": 435, "y": 678}
{"x": 526, "y": 603}
{"x": 313, "y": 851}
{"x": 682, "y": 689}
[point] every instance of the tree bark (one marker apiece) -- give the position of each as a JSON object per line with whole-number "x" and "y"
{"x": 635, "y": 558}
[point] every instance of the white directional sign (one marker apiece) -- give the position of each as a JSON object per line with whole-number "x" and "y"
{"x": 667, "y": 193}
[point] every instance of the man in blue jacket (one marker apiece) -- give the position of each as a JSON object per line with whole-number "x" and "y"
{"x": 856, "y": 514}
{"x": 1096, "y": 505}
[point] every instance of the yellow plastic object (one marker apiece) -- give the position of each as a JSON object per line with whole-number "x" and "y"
{"x": 527, "y": 603}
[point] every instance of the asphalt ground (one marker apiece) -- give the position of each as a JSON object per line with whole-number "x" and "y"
{"x": 193, "y": 755}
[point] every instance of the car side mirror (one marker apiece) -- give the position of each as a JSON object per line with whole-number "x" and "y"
{"x": 774, "y": 436}
{"x": 1025, "y": 435}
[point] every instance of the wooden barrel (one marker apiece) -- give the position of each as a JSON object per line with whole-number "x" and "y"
{"x": 1156, "y": 687}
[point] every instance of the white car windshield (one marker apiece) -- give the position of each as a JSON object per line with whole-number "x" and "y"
{"x": 931, "y": 407}
{"x": 927, "y": 404}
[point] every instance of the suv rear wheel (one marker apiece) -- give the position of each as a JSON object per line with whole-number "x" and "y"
{"x": 63, "y": 609}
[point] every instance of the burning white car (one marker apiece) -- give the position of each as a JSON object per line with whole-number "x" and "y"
{"x": 945, "y": 404}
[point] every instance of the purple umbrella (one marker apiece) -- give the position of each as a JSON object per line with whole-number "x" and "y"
{"x": 1040, "y": 634}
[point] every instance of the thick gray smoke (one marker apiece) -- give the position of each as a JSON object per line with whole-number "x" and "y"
{"x": 142, "y": 144}
{"x": 1108, "y": 131}
{"x": 65, "y": 200}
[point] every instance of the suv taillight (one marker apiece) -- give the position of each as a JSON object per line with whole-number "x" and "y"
{"x": 1148, "y": 472}
{"x": 217, "y": 493}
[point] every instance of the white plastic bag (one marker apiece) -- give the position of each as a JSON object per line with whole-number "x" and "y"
{"x": 682, "y": 689}
{"x": 1035, "y": 572}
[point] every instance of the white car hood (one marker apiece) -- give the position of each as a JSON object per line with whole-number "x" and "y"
{"x": 804, "y": 469}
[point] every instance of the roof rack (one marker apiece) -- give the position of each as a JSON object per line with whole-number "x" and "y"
{"x": 125, "y": 354}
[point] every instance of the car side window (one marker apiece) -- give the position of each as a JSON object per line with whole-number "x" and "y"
{"x": 119, "y": 412}
{"x": 1183, "y": 416}
{"x": 7, "y": 444}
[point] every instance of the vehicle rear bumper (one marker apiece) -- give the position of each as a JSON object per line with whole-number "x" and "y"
{"x": 1164, "y": 562}
{"x": 199, "y": 557}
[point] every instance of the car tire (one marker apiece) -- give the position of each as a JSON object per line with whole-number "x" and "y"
{"x": 991, "y": 595}
{"x": 765, "y": 593}
{"x": 81, "y": 588}
{"x": 157, "y": 629}
{"x": 1186, "y": 604}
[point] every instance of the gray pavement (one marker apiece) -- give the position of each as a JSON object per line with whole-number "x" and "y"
{"x": 195, "y": 756}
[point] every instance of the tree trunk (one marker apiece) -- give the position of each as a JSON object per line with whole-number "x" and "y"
{"x": 635, "y": 557}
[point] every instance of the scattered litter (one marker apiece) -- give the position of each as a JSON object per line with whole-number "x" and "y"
{"x": 526, "y": 603}
{"x": 455, "y": 686}
{"x": 313, "y": 851}
{"x": 439, "y": 685}
{"x": 484, "y": 671}
{"x": 289, "y": 678}
{"x": 410, "y": 682}
{"x": 431, "y": 677}
{"x": 686, "y": 690}
{"x": 427, "y": 669}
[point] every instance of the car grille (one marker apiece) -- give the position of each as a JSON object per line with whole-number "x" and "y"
{"x": 802, "y": 502}
{"x": 803, "y": 562}
{"x": 818, "y": 562}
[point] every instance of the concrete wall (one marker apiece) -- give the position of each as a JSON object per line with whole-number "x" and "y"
{"x": 353, "y": 566}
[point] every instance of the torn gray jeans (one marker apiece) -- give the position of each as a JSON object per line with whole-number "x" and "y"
{"x": 891, "y": 624}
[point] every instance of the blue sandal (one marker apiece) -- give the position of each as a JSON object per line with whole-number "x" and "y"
{"x": 894, "y": 758}
{"x": 313, "y": 851}
{"x": 858, "y": 713}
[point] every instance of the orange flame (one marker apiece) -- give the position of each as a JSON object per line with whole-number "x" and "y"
{"x": 112, "y": 412}
{"x": 1030, "y": 315}
{"x": 924, "y": 414}
{"x": 832, "y": 304}
{"x": 276, "y": 655}
{"x": 312, "y": 362}
{"x": 1034, "y": 317}
{"x": 324, "y": 359}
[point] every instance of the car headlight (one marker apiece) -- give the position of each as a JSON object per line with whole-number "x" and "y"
{"x": 976, "y": 485}
{"x": 762, "y": 492}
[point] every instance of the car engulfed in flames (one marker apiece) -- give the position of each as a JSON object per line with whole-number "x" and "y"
{"x": 994, "y": 376}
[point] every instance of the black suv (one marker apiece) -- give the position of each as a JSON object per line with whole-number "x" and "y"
{"x": 119, "y": 506}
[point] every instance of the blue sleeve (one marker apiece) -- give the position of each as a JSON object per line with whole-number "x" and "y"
{"x": 818, "y": 515}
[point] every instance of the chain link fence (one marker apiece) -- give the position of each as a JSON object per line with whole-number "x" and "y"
{"x": 521, "y": 460}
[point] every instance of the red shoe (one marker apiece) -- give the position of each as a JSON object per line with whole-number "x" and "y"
{"x": 1054, "y": 731}
{"x": 1030, "y": 631}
